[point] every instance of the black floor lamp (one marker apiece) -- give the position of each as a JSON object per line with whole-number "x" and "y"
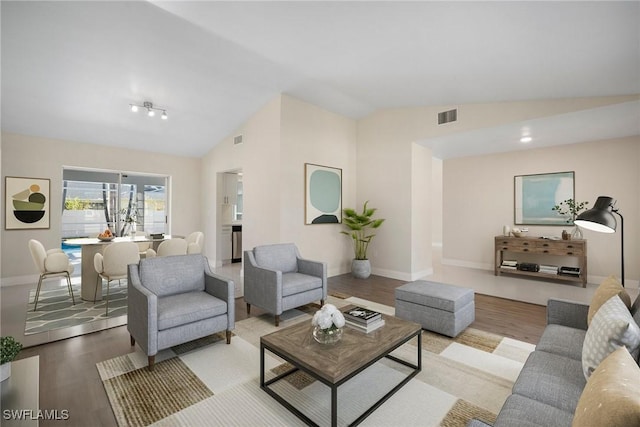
{"x": 600, "y": 218}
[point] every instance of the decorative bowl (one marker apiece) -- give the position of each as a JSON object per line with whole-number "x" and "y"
{"x": 519, "y": 233}
{"x": 106, "y": 239}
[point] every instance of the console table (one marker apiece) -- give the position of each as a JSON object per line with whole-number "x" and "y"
{"x": 539, "y": 246}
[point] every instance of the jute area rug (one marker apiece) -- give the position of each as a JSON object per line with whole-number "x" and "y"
{"x": 210, "y": 383}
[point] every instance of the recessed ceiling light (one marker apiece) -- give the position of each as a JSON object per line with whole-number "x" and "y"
{"x": 526, "y": 139}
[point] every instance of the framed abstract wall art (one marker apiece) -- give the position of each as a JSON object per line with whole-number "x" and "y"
{"x": 26, "y": 203}
{"x": 536, "y": 195}
{"x": 323, "y": 194}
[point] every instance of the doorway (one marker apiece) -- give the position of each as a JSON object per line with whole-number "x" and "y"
{"x": 230, "y": 208}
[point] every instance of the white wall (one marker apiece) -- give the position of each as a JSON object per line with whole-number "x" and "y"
{"x": 479, "y": 197}
{"x": 387, "y": 175}
{"x": 259, "y": 158}
{"x": 36, "y": 157}
{"x": 278, "y": 140}
{"x": 436, "y": 200}
{"x": 313, "y": 135}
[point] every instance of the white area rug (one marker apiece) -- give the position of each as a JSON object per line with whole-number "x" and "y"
{"x": 464, "y": 378}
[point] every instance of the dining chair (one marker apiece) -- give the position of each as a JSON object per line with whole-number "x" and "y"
{"x": 195, "y": 242}
{"x": 50, "y": 263}
{"x": 112, "y": 265}
{"x": 175, "y": 246}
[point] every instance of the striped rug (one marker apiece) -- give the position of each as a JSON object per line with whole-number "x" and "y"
{"x": 210, "y": 383}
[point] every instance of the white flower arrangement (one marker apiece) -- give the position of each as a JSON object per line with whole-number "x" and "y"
{"x": 328, "y": 317}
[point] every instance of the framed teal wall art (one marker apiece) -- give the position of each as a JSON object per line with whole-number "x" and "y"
{"x": 323, "y": 194}
{"x": 536, "y": 195}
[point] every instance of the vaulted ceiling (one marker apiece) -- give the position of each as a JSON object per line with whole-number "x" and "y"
{"x": 71, "y": 69}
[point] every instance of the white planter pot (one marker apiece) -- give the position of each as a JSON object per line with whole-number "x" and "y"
{"x": 360, "y": 268}
{"x": 5, "y": 371}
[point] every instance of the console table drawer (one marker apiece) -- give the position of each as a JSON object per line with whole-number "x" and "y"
{"x": 561, "y": 248}
{"x": 516, "y": 245}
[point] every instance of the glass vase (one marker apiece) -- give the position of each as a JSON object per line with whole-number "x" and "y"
{"x": 327, "y": 336}
{"x": 576, "y": 233}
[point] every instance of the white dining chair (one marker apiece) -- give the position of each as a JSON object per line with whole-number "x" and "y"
{"x": 195, "y": 242}
{"x": 175, "y": 246}
{"x": 50, "y": 263}
{"x": 112, "y": 265}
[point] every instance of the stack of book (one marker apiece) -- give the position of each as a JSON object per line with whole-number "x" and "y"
{"x": 363, "y": 319}
{"x": 528, "y": 266}
{"x": 548, "y": 269}
{"x": 509, "y": 264}
{"x": 569, "y": 271}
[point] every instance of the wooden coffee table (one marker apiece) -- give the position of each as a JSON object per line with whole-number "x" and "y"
{"x": 335, "y": 364}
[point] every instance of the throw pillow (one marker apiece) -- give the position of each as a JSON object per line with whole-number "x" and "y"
{"x": 612, "y": 327}
{"x": 608, "y": 288}
{"x": 612, "y": 394}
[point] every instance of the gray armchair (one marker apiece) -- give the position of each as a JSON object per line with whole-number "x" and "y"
{"x": 176, "y": 299}
{"x": 277, "y": 278}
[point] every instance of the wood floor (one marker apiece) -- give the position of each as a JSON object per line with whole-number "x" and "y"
{"x": 69, "y": 378}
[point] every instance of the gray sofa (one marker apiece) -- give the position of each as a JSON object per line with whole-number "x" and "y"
{"x": 176, "y": 299}
{"x": 551, "y": 382}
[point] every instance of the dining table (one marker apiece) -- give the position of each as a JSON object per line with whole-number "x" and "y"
{"x": 90, "y": 246}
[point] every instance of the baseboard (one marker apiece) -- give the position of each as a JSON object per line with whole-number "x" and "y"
{"x": 401, "y": 275}
{"x": 18, "y": 280}
{"x": 467, "y": 264}
{"x": 631, "y": 284}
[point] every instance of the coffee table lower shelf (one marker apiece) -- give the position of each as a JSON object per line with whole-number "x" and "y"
{"x": 417, "y": 367}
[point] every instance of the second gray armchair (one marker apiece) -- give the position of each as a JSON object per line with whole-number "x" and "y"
{"x": 277, "y": 278}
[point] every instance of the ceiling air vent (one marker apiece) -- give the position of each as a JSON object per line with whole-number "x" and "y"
{"x": 447, "y": 116}
{"x": 237, "y": 140}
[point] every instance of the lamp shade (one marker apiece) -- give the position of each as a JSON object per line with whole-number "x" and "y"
{"x": 599, "y": 218}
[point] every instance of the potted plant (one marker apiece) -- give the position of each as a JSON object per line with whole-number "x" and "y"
{"x": 570, "y": 209}
{"x": 360, "y": 227}
{"x": 9, "y": 349}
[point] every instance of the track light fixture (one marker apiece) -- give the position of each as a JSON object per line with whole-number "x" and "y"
{"x": 151, "y": 110}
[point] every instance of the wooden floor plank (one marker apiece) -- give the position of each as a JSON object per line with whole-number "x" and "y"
{"x": 69, "y": 378}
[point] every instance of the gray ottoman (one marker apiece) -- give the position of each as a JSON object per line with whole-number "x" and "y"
{"x": 438, "y": 307}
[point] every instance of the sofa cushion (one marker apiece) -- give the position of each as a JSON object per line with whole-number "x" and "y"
{"x": 173, "y": 274}
{"x": 294, "y": 283}
{"x": 611, "y": 327}
{"x": 281, "y": 257}
{"x": 612, "y": 394}
{"x": 181, "y": 309}
{"x": 524, "y": 412}
{"x": 608, "y": 288}
{"x": 563, "y": 341}
{"x": 551, "y": 379}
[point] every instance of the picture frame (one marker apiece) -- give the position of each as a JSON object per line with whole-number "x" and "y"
{"x": 535, "y": 196}
{"x": 322, "y": 195}
{"x": 27, "y": 205}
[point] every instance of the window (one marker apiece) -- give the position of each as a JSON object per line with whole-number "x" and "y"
{"x": 94, "y": 201}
